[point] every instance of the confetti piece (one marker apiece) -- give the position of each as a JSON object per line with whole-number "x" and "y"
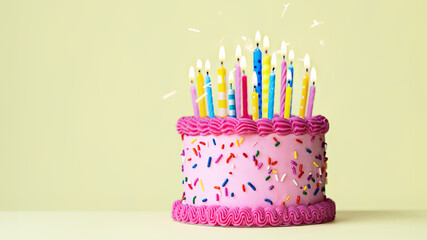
{"x": 269, "y": 201}
{"x": 201, "y": 97}
{"x": 168, "y": 95}
{"x": 286, "y": 5}
{"x": 322, "y": 42}
{"x": 316, "y": 23}
{"x": 193, "y": 30}
{"x": 283, "y": 177}
{"x": 207, "y": 85}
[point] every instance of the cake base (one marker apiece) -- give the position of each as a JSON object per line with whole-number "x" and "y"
{"x": 254, "y": 217}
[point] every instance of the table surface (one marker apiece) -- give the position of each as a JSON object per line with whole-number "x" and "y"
{"x": 159, "y": 225}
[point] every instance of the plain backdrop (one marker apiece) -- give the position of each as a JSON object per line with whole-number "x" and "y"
{"x": 83, "y": 125}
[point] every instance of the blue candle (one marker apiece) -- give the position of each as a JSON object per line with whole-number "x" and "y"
{"x": 291, "y": 69}
{"x": 258, "y": 71}
{"x": 231, "y": 96}
{"x": 208, "y": 85}
{"x": 272, "y": 87}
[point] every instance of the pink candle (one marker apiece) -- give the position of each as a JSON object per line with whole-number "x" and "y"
{"x": 245, "y": 96}
{"x": 312, "y": 93}
{"x": 238, "y": 77}
{"x": 193, "y": 100}
{"x": 244, "y": 89}
{"x": 283, "y": 82}
{"x": 193, "y": 92}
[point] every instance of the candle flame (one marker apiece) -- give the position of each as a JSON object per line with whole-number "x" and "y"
{"x": 289, "y": 75}
{"x": 231, "y": 77}
{"x": 243, "y": 63}
{"x": 266, "y": 43}
{"x": 199, "y": 65}
{"x": 238, "y": 52}
{"x": 283, "y": 48}
{"x": 191, "y": 74}
{"x": 313, "y": 75}
{"x": 273, "y": 60}
{"x": 222, "y": 54}
{"x": 208, "y": 65}
{"x": 257, "y": 37}
{"x": 255, "y": 79}
{"x": 291, "y": 55}
{"x": 306, "y": 62}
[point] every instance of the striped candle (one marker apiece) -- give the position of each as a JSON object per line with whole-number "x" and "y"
{"x": 231, "y": 96}
{"x": 208, "y": 85}
{"x": 305, "y": 82}
{"x": 222, "y": 89}
{"x": 283, "y": 81}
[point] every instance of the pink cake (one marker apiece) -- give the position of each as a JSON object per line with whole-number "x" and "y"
{"x": 238, "y": 172}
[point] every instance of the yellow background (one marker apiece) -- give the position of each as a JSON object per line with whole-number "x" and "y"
{"x": 83, "y": 125}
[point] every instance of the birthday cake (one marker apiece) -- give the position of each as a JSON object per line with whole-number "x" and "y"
{"x": 249, "y": 172}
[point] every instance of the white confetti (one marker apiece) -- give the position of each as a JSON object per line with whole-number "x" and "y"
{"x": 286, "y": 5}
{"x": 193, "y": 30}
{"x": 316, "y": 23}
{"x": 207, "y": 85}
{"x": 201, "y": 97}
{"x": 322, "y": 42}
{"x": 168, "y": 95}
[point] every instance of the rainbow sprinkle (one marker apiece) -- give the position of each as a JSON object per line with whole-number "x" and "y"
{"x": 308, "y": 150}
{"x": 295, "y": 155}
{"x": 252, "y": 186}
{"x": 194, "y": 199}
{"x": 269, "y": 201}
{"x": 214, "y": 142}
{"x": 219, "y": 158}
{"x": 277, "y": 144}
{"x": 271, "y": 187}
{"x": 192, "y": 141}
{"x": 201, "y": 185}
{"x": 195, "y": 165}
{"x": 225, "y": 182}
{"x": 209, "y": 161}
{"x": 268, "y": 177}
{"x": 204, "y": 200}
{"x": 295, "y": 182}
{"x": 315, "y": 164}
{"x": 287, "y": 198}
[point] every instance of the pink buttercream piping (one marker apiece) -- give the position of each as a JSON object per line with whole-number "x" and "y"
{"x": 254, "y": 217}
{"x": 194, "y": 126}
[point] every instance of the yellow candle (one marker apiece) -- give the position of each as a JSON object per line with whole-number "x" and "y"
{"x": 255, "y": 105}
{"x": 222, "y": 88}
{"x": 200, "y": 89}
{"x": 305, "y": 81}
{"x": 266, "y": 68}
{"x": 288, "y": 98}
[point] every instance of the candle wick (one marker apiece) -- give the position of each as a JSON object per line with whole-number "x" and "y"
{"x": 257, "y": 45}
{"x": 273, "y": 69}
{"x": 238, "y": 59}
{"x": 266, "y": 51}
{"x": 222, "y": 63}
{"x": 306, "y": 69}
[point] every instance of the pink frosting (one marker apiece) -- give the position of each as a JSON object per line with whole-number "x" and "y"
{"x": 254, "y": 217}
{"x": 194, "y": 126}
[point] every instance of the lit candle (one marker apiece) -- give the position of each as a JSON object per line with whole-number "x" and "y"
{"x": 305, "y": 81}
{"x": 231, "y": 96}
{"x": 288, "y": 100}
{"x": 291, "y": 69}
{"x": 272, "y": 87}
{"x": 255, "y": 105}
{"x": 266, "y": 67}
{"x": 238, "y": 84}
{"x": 193, "y": 92}
{"x": 200, "y": 89}
{"x": 244, "y": 89}
{"x": 313, "y": 77}
{"x": 258, "y": 70}
{"x": 208, "y": 85}
{"x": 283, "y": 81}
{"x": 222, "y": 88}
